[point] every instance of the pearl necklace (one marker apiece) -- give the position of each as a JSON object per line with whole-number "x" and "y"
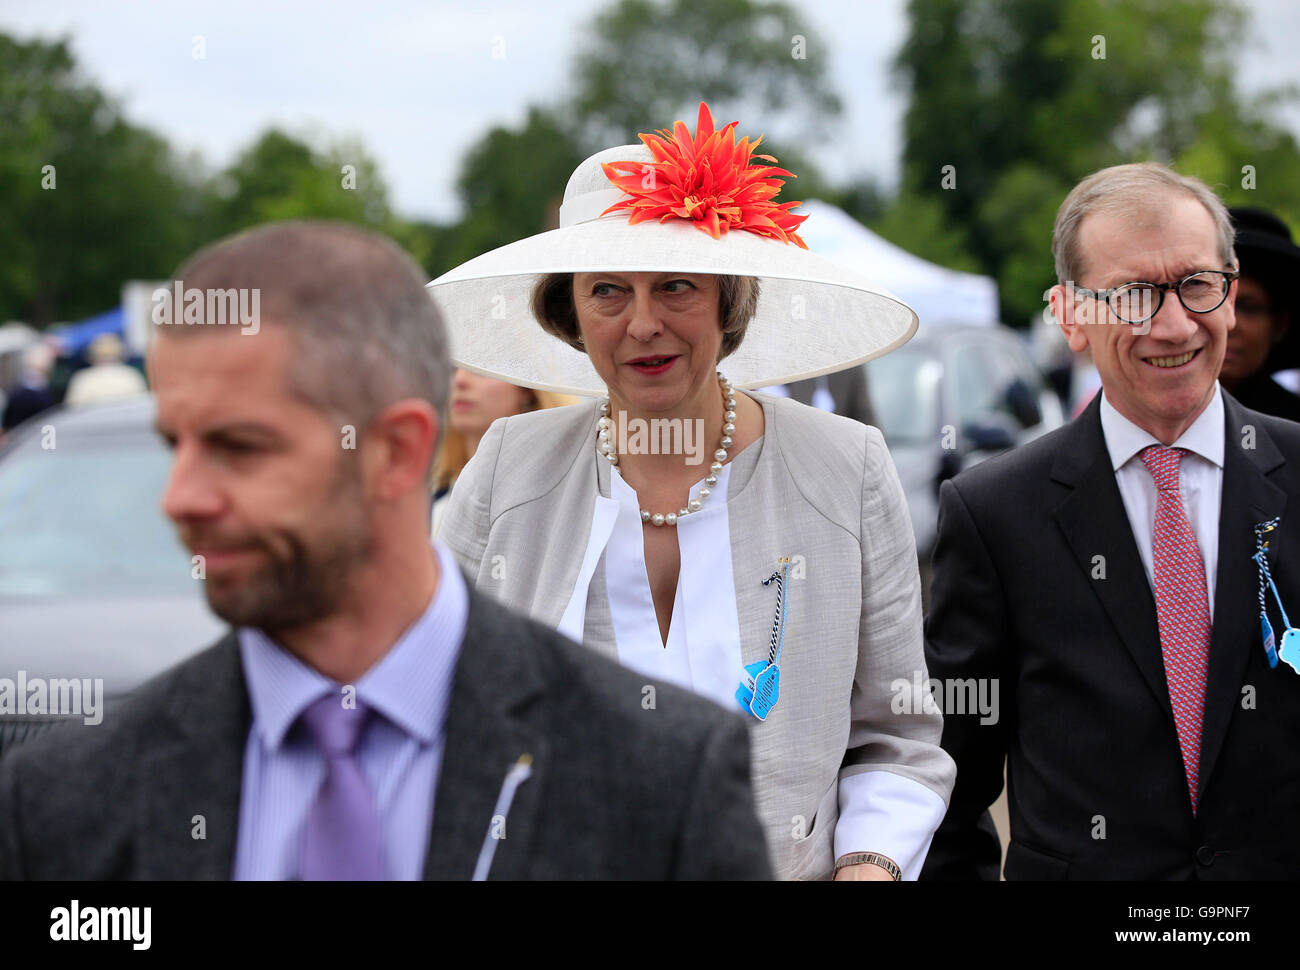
{"x": 606, "y": 443}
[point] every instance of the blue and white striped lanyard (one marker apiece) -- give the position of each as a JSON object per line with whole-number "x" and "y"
{"x": 1290, "y": 636}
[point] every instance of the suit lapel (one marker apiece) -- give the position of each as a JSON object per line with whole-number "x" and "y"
{"x": 492, "y": 720}
{"x": 1248, "y": 498}
{"x": 1094, "y": 522}
{"x": 191, "y": 764}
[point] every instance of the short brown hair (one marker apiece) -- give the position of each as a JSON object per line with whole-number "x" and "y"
{"x": 365, "y": 331}
{"x": 1127, "y": 187}
{"x": 552, "y": 306}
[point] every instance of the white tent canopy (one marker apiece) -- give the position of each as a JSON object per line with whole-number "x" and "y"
{"x": 939, "y": 296}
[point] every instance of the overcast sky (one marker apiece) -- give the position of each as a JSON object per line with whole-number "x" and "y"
{"x": 419, "y": 82}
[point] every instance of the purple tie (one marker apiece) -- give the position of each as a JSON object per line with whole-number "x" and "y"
{"x": 341, "y": 838}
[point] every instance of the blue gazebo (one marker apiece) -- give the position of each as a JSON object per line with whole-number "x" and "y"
{"x": 76, "y": 337}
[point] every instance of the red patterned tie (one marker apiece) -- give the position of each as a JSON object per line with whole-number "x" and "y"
{"x": 1182, "y": 607}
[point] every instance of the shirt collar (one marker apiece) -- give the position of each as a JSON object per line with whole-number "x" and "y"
{"x": 1204, "y": 437}
{"x": 410, "y": 685}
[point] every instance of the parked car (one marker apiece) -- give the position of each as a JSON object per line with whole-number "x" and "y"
{"x": 93, "y": 581}
{"x": 950, "y": 398}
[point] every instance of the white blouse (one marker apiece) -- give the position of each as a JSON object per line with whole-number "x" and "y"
{"x": 880, "y": 811}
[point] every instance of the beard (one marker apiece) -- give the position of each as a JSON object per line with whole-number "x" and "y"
{"x": 304, "y": 577}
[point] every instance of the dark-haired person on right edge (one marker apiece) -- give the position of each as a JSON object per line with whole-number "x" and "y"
{"x": 1265, "y": 340}
{"x": 1125, "y": 580}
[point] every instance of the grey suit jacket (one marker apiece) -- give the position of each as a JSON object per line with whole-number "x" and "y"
{"x": 823, "y": 491}
{"x": 616, "y": 792}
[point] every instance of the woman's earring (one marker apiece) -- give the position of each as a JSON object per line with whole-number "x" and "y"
{"x": 581, "y": 341}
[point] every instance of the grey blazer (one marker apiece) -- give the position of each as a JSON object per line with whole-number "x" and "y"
{"x": 823, "y": 491}
{"x": 616, "y": 791}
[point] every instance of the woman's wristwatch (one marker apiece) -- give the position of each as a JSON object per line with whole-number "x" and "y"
{"x": 875, "y": 858}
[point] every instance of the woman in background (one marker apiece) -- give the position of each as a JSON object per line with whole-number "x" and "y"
{"x": 1266, "y": 339}
{"x": 474, "y": 404}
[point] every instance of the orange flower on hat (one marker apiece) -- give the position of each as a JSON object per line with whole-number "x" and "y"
{"x": 708, "y": 180}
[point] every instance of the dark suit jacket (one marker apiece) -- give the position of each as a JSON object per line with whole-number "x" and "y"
{"x": 26, "y": 402}
{"x": 1085, "y": 723}
{"x": 617, "y": 791}
{"x": 848, "y": 389}
{"x": 1261, "y": 393}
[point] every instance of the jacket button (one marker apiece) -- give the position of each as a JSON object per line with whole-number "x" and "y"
{"x": 1205, "y": 855}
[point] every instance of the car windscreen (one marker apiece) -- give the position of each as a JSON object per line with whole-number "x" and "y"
{"x": 83, "y": 517}
{"x": 904, "y": 388}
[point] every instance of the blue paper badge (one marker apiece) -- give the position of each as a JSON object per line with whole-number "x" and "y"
{"x": 1269, "y": 647}
{"x": 760, "y": 690}
{"x": 745, "y": 692}
{"x": 767, "y": 688}
{"x": 1290, "y": 649}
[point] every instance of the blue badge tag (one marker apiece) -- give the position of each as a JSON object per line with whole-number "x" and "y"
{"x": 759, "y": 691}
{"x": 745, "y": 692}
{"x": 761, "y": 686}
{"x": 1268, "y": 640}
{"x": 1290, "y": 649}
{"x": 767, "y": 688}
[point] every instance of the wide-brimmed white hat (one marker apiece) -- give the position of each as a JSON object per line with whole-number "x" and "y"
{"x": 814, "y": 316}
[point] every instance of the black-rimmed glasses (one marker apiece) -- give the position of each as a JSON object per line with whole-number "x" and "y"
{"x": 1139, "y": 301}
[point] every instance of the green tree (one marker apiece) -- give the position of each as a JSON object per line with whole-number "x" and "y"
{"x": 1013, "y": 101}
{"x": 89, "y": 199}
{"x": 918, "y": 224}
{"x": 281, "y": 177}
{"x": 1248, "y": 160}
{"x": 649, "y": 63}
{"x": 511, "y": 183}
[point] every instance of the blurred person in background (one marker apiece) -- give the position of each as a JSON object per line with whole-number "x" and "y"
{"x": 33, "y": 394}
{"x": 107, "y": 378}
{"x": 476, "y": 402}
{"x": 840, "y": 392}
{"x": 1265, "y": 339}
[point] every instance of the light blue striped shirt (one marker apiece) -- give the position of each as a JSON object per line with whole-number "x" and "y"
{"x": 400, "y": 751}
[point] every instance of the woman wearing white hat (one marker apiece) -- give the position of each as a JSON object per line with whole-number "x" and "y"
{"x": 748, "y": 547}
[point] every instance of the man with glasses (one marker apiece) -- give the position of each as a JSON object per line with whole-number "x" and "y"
{"x": 1103, "y": 577}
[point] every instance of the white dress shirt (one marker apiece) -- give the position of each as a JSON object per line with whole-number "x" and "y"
{"x": 1200, "y": 481}
{"x": 879, "y": 811}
